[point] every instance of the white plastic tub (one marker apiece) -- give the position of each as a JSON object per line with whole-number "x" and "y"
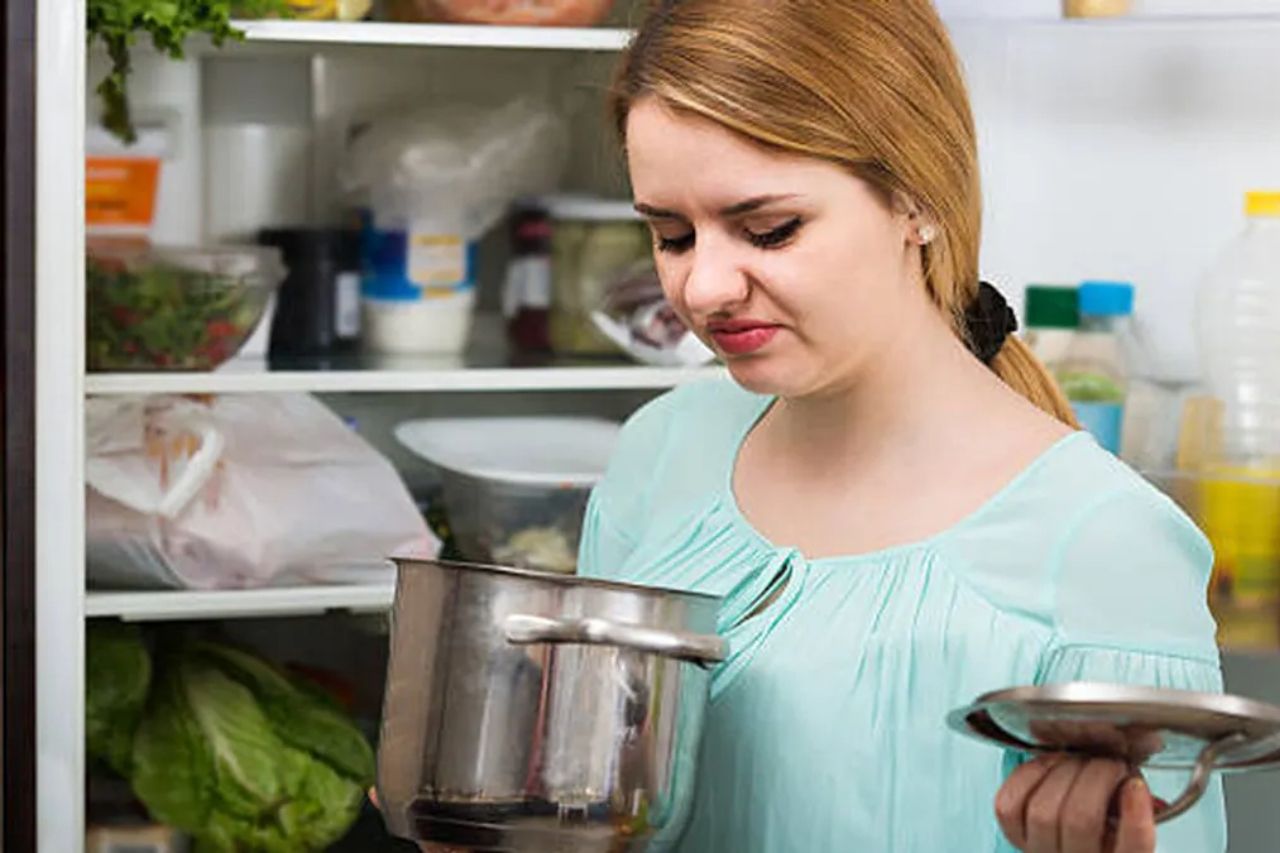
{"x": 515, "y": 489}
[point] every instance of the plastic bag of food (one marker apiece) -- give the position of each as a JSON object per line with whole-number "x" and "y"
{"x": 637, "y": 317}
{"x": 455, "y": 165}
{"x": 238, "y": 491}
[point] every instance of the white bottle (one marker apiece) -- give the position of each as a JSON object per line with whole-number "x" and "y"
{"x": 1238, "y": 321}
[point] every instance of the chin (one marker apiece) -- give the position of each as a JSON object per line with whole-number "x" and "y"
{"x": 767, "y": 376}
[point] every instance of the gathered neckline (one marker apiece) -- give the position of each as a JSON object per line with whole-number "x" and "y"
{"x": 990, "y": 504}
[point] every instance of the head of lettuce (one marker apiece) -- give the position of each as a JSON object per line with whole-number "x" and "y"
{"x": 223, "y": 746}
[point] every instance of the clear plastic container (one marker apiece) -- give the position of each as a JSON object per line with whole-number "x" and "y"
{"x": 515, "y": 489}
{"x": 155, "y": 308}
{"x": 1093, "y": 373}
{"x": 554, "y": 13}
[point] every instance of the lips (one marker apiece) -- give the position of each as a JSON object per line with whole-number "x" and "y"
{"x": 742, "y": 337}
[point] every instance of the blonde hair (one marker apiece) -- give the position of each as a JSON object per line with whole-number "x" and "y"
{"x": 873, "y": 85}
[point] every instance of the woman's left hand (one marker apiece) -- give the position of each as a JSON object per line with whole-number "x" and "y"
{"x": 1062, "y": 804}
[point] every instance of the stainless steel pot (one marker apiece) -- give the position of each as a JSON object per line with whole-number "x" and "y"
{"x": 535, "y": 712}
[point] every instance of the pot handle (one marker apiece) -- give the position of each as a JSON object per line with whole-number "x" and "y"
{"x": 1200, "y": 776}
{"x": 522, "y": 629}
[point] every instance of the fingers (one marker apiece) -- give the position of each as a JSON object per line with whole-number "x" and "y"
{"x": 1011, "y": 802}
{"x": 1083, "y": 819}
{"x": 1045, "y": 807}
{"x": 1137, "y": 830}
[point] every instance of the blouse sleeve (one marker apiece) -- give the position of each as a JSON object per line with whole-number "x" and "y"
{"x": 1130, "y": 607}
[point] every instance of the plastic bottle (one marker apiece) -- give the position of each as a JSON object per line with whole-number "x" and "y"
{"x": 1235, "y": 428}
{"x": 1093, "y": 373}
{"x": 1051, "y": 315}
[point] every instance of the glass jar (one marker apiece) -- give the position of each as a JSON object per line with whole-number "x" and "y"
{"x": 594, "y": 244}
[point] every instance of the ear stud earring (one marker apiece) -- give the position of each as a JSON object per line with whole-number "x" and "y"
{"x": 926, "y": 234}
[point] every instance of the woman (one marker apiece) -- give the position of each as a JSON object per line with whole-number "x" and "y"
{"x": 890, "y": 494}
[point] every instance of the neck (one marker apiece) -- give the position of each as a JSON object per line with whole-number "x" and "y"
{"x": 906, "y": 402}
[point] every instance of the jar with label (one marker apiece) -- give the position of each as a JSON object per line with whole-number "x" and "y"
{"x": 594, "y": 243}
{"x": 1093, "y": 373}
{"x": 318, "y": 306}
{"x": 526, "y": 293}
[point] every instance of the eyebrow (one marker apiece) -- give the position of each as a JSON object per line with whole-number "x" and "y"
{"x": 748, "y": 206}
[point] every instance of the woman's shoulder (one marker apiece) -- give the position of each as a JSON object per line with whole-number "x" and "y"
{"x": 1075, "y": 483}
{"x": 1086, "y": 544}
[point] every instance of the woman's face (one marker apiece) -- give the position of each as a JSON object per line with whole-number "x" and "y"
{"x": 792, "y": 269}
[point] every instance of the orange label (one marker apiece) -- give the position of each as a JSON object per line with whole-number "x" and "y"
{"x": 120, "y": 190}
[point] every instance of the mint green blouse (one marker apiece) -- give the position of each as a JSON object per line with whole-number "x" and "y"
{"x": 826, "y": 730}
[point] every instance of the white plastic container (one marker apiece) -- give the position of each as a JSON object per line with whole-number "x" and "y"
{"x": 417, "y": 289}
{"x": 515, "y": 489}
{"x": 1238, "y": 321}
{"x": 436, "y": 326}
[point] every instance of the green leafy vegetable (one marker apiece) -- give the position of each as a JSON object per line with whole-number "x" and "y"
{"x": 118, "y": 676}
{"x": 319, "y": 729}
{"x": 169, "y": 23}
{"x": 231, "y": 751}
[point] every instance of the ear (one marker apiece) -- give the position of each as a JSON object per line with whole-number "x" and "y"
{"x": 919, "y": 227}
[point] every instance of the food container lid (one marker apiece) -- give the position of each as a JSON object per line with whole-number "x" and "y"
{"x": 586, "y": 208}
{"x": 552, "y": 452}
{"x": 260, "y": 266}
{"x": 1106, "y": 298}
{"x": 1052, "y": 307}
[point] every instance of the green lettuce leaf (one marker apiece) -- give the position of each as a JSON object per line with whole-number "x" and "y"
{"x": 317, "y": 728}
{"x": 117, "y": 678}
{"x": 173, "y": 771}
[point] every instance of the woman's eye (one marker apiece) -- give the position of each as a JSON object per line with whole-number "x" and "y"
{"x": 774, "y": 237}
{"x": 677, "y": 244}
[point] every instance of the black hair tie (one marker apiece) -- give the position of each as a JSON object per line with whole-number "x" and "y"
{"x": 989, "y": 321}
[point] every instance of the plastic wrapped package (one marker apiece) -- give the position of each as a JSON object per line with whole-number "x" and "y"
{"x": 428, "y": 184}
{"x": 237, "y": 492}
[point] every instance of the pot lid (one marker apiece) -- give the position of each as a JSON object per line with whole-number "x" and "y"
{"x": 1142, "y": 725}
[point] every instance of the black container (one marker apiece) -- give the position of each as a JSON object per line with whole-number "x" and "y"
{"x": 318, "y": 305}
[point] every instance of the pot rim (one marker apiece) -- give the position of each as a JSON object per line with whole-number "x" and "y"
{"x": 410, "y": 562}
